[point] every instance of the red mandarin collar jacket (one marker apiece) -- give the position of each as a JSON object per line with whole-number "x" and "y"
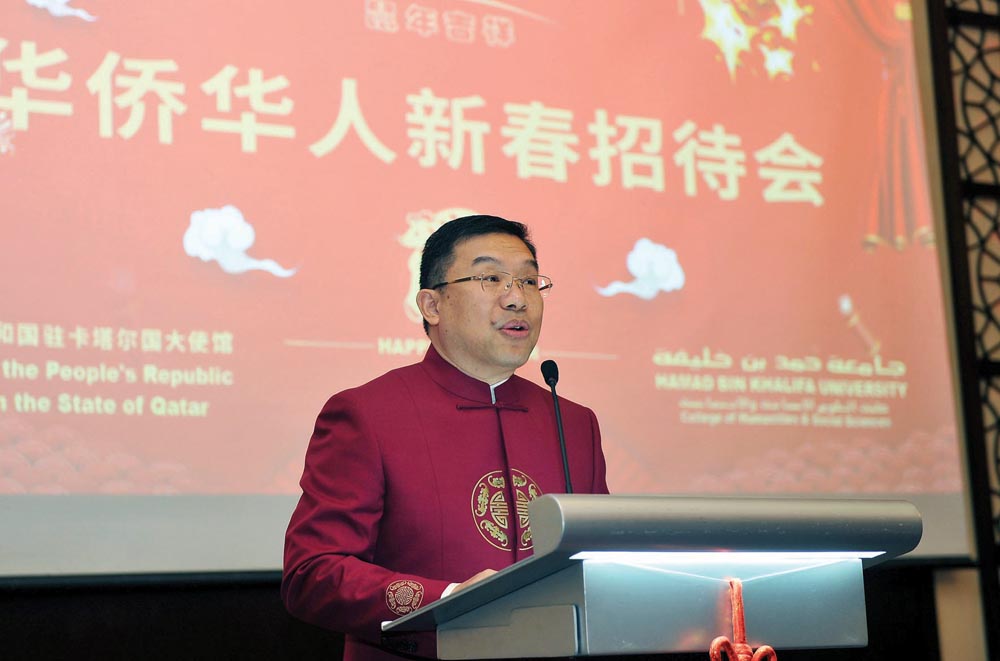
{"x": 405, "y": 491}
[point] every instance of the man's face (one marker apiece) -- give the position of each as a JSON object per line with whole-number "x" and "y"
{"x": 487, "y": 335}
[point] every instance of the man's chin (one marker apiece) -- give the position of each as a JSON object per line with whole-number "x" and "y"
{"x": 517, "y": 359}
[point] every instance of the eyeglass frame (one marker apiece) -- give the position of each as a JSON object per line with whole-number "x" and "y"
{"x": 511, "y": 278}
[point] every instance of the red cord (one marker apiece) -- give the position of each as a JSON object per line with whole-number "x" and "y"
{"x": 739, "y": 650}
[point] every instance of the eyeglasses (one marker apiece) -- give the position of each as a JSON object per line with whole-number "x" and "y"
{"x": 494, "y": 282}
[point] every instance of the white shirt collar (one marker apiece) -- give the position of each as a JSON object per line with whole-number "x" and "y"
{"x": 493, "y": 389}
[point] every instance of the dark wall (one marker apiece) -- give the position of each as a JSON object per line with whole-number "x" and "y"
{"x": 164, "y": 619}
{"x": 244, "y": 619}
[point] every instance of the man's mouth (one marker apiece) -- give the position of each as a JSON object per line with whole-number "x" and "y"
{"x": 515, "y": 328}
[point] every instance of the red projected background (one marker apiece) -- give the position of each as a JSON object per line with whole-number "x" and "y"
{"x": 212, "y": 216}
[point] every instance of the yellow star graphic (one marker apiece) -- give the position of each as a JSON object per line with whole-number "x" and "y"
{"x": 778, "y": 60}
{"x": 725, "y": 29}
{"x": 787, "y": 20}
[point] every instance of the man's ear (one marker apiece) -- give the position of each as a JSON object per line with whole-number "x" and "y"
{"x": 427, "y": 303}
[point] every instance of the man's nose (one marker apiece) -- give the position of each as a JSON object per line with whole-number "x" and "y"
{"x": 514, "y": 298}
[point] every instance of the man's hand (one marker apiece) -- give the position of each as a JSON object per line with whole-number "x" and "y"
{"x": 486, "y": 573}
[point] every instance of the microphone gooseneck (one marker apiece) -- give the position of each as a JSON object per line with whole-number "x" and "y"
{"x": 550, "y": 372}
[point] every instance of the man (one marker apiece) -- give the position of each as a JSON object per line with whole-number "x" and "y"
{"x": 408, "y": 479}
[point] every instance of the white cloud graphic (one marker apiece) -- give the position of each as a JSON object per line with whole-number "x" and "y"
{"x": 223, "y": 235}
{"x": 655, "y": 269}
{"x": 61, "y": 8}
{"x": 6, "y": 134}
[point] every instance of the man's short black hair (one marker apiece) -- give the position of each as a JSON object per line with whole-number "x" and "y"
{"x": 439, "y": 250}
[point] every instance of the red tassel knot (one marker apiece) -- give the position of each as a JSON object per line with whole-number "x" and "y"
{"x": 722, "y": 649}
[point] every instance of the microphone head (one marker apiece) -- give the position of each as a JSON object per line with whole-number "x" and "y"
{"x": 550, "y": 372}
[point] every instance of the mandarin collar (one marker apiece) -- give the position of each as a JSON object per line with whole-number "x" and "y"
{"x": 462, "y": 385}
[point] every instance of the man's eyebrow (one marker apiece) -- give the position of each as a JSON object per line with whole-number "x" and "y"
{"x": 486, "y": 259}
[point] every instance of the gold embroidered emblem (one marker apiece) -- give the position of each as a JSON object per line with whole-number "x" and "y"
{"x": 492, "y": 515}
{"x": 404, "y": 597}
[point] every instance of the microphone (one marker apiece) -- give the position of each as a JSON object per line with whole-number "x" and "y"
{"x": 550, "y": 372}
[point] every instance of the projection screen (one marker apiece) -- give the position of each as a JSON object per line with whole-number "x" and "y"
{"x": 212, "y": 215}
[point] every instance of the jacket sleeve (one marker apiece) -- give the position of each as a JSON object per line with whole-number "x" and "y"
{"x": 329, "y": 577}
{"x": 599, "y": 483}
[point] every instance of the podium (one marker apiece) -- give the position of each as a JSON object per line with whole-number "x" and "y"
{"x": 650, "y": 574}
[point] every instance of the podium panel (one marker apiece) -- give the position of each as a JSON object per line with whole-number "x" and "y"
{"x": 650, "y": 574}
{"x": 606, "y": 608}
